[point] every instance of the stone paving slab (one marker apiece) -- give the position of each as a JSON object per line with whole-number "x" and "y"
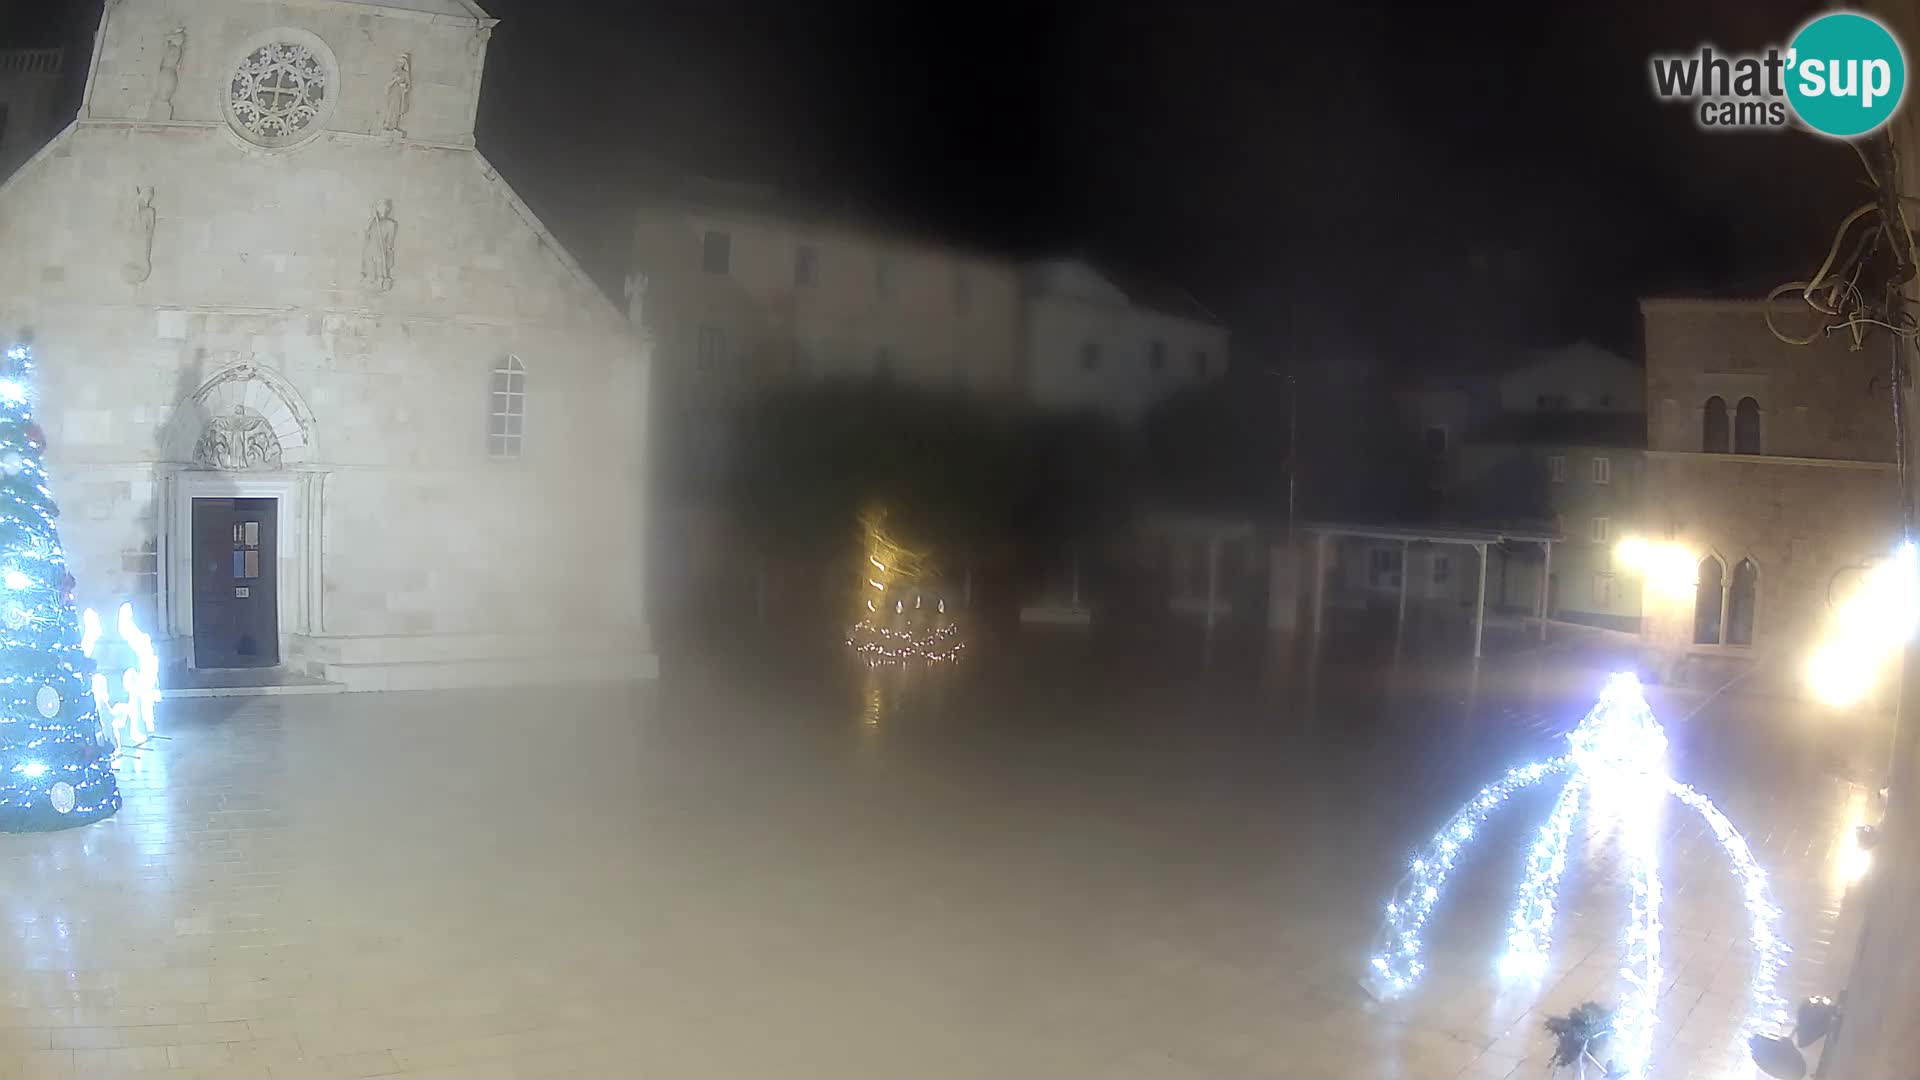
{"x": 1002, "y": 871}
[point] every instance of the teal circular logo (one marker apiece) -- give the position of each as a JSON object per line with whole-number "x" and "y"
{"x": 1846, "y": 74}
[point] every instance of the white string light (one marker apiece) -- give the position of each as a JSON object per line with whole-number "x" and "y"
{"x": 54, "y": 770}
{"x": 1766, "y": 1009}
{"x": 1531, "y": 928}
{"x": 1396, "y": 962}
{"x": 1618, "y": 760}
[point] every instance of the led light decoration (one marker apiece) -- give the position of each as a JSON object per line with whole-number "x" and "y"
{"x": 893, "y": 572}
{"x": 54, "y": 772}
{"x": 127, "y": 664}
{"x": 1616, "y": 764}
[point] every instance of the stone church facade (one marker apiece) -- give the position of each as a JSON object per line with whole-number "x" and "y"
{"x": 319, "y": 391}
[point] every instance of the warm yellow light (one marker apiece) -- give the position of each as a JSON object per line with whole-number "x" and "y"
{"x": 1840, "y": 675}
{"x": 1867, "y": 631}
{"x": 1855, "y": 863}
{"x": 1668, "y": 569}
{"x": 1631, "y": 552}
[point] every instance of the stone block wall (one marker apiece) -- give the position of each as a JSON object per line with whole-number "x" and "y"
{"x": 1806, "y": 528}
{"x": 1824, "y": 400}
{"x": 257, "y": 260}
{"x": 447, "y": 54}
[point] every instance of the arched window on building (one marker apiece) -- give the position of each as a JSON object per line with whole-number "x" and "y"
{"x": 506, "y": 432}
{"x": 1714, "y": 436}
{"x": 1709, "y": 592}
{"x": 1746, "y": 427}
{"x": 1742, "y": 592}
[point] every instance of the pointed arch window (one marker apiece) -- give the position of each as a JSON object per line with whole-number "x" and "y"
{"x": 1742, "y": 593}
{"x": 1709, "y": 596}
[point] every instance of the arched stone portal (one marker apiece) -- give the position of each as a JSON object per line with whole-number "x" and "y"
{"x": 245, "y": 417}
{"x": 244, "y": 433}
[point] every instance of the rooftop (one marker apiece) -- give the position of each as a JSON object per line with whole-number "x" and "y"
{"x": 458, "y": 9}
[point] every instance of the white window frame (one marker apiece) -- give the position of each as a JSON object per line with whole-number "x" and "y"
{"x": 1599, "y": 530}
{"x": 1557, "y": 468}
{"x": 1603, "y": 588}
{"x": 1442, "y": 568}
{"x": 1602, "y": 470}
{"x": 509, "y": 398}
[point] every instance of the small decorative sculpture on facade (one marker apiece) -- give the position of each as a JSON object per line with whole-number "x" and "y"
{"x": 139, "y": 265}
{"x": 161, "y": 106}
{"x": 237, "y": 443}
{"x": 376, "y": 254}
{"x": 399, "y": 96}
{"x": 636, "y": 290}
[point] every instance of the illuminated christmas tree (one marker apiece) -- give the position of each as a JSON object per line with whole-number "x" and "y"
{"x": 55, "y": 768}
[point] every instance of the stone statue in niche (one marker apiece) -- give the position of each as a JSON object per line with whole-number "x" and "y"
{"x": 161, "y": 107}
{"x": 399, "y": 96}
{"x": 139, "y": 265}
{"x": 376, "y": 253}
{"x": 636, "y": 289}
{"x": 237, "y": 443}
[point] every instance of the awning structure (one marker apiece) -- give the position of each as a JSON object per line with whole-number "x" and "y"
{"x": 1477, "y": 538}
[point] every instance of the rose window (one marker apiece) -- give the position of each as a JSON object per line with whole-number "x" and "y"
{"x": 279, "y": 94}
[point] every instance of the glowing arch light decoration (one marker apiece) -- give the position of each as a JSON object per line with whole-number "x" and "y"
{"x": 1616, "y": 764}
{"x": 128, "y": 664}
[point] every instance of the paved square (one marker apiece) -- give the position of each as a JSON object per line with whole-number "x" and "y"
{"x": 1032, "y": 869}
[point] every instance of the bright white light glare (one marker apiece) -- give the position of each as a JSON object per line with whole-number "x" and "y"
{"x": 33, "y": 770}
{"x": 132, "y": 717}
{"x": 12, "y": 392}
{"x": 1618, "y": 751}
{"x": 89, "y": 632}
{"x": 14, "y": 579}
{"x": 1840, "y": 676}
{"x": 1867, "y": 630}
{"x": 1855, "y": 862}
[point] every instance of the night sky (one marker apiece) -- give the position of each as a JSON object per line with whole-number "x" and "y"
{"x": 1411, "y": 182}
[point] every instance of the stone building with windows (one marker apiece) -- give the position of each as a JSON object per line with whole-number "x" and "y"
{"x": 1770, "y": 468}
{"x": 1112, "y": 343}
{"x": 321, "y": 394}
{"x": 1565, "y": 448}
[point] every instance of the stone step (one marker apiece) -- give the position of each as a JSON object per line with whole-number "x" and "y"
{"x": 497, "y": 672}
